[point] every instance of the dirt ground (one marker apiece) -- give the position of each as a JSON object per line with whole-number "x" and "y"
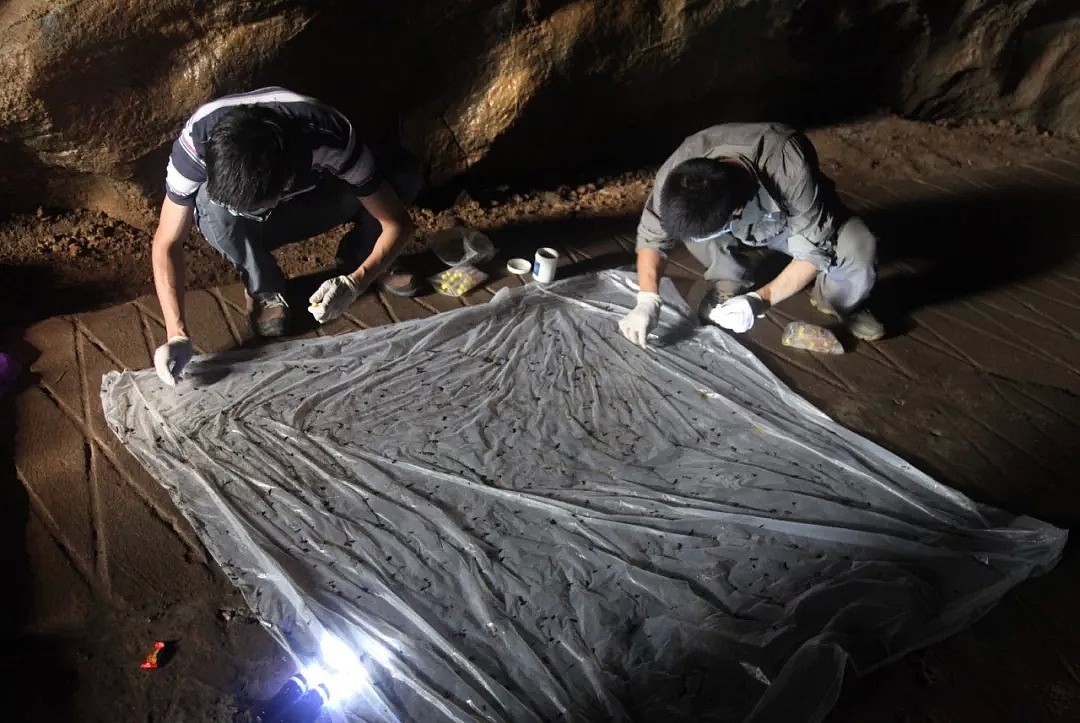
{"x": 53, "y": 263}
{"x": 77, "y": 261}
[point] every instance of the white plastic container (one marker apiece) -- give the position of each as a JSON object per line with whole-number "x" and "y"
{"x": 544, "y": 265}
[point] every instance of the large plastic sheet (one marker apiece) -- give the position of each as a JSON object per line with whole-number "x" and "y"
{"x": 510, "y": 513}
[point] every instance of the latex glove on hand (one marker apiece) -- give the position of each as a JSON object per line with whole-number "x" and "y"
{"x": 642, "y": 319}
{"x": 737, "y": 314}
{"x": 333, "y": 298}
{"x": 171, "y": 357}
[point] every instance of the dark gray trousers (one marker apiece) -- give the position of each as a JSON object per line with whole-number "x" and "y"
{"x": 845, "y": 285}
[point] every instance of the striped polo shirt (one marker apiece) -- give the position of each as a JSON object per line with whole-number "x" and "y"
{"x": 326, "y": 144}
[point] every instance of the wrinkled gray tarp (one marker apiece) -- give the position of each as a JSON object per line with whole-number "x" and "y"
{"x": 530, "y": 519}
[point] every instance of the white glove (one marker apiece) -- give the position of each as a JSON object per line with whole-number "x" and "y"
{"x": 642, "y": 319}
{"x": 171, "y": 358}
{"x": 737, "y": 313}
{"x": 333, "y": 298}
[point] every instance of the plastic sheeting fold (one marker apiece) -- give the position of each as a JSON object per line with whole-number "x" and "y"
{"x": 512, "y": 514}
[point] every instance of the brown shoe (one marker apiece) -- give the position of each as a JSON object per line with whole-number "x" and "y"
{"x": 861, "y": 323}
{"x": 269, "y": 314}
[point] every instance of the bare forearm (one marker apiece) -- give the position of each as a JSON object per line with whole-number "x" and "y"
{"x": 391, "y": 242}
{"x": 169, "y": 274}
{"x": 167, "y": 257}
{"x": 650, "y": 269}
{"x": 795, "y": 277}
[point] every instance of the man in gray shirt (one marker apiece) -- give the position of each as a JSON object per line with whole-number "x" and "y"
{"x": 742, "y": 185}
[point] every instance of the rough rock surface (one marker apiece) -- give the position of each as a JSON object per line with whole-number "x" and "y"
{"x": 93, "y": 91}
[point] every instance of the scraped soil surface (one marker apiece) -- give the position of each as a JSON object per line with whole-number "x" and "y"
{"x": 53, "y": 263}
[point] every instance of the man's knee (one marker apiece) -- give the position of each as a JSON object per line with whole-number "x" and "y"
{"x": 848, "y": 282}
{"x": 722, "y": 263}
{"x": 204, "y": 208}
{"x": 856, "y": 245}
{"x": 214, "y": 222}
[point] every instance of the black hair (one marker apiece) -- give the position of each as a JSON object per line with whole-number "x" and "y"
{"x": 699, "y": 196}
{"x": 248, "y": 157}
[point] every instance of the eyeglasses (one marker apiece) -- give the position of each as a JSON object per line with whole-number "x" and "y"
{"x": 258, "y": 215}
{"x": 713, "y": 235}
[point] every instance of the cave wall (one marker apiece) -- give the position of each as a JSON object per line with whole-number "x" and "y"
{"x": 92, "y": 92}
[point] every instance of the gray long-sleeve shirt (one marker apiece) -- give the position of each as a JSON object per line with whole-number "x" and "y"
{"x": 789, "y": 202}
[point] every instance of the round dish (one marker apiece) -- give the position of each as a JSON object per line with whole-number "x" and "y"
{"x": 518, "y": 266}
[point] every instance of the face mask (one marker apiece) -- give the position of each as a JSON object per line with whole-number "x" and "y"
{"x": 712, "y": 236}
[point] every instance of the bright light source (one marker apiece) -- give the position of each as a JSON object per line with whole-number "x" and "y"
{"x": 339, "y": 669}
{"x": 314, "y": 674}
{"x": 378, "y": 652}
{"x": 337, "y": 656}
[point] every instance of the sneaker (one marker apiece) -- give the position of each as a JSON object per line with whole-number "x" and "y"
{"x": 861, "y": 323}
{"x": 269, "y": 313}
{"x": 722, "y": 290}
{"x": 718, "y": 292}
{"x": 864, "y": 325}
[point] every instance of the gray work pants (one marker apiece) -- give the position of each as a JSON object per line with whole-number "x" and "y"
{"x": 247, "y": 243}
{"x": 844, "y": 285}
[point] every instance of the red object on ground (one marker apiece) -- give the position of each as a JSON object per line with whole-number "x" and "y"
{"x": 151, "y": 661}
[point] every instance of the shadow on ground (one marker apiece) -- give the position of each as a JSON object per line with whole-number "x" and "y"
{"x": 31, "y": 293}
{"x": 37, "y": 669}
{"x": 955, "y": 247}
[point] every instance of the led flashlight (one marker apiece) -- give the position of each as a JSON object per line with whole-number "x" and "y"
{"x": 289, "y": 693}
{"x": 309, "y": 707}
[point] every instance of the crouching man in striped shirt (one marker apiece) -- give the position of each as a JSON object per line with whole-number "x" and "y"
{"x": 255, "y": 171}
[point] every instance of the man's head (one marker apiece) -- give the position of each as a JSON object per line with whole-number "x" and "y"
{"x": 700, "y": 195}
{"x": 248, "y": 158}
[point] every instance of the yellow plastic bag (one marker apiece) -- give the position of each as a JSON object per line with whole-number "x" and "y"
{"x": 803, "y": 335}
{"x": 458, "y": 280}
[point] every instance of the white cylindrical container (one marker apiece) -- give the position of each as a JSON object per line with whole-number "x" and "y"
{"x": 544, "y": 265}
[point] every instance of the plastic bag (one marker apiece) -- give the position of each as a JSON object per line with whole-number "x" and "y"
{"x": 457, "y": 280}
{"x": 510, "y": 513}
{"x": 811, "y": 337}
{"x": 460, "y": 246}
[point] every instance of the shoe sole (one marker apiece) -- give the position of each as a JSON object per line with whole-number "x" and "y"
{"x": 273, "y": 332}
{"x": 824, "y": 309}
{"x": 868, "y": 337}
{"x": 832, "y": 313}
{"x": 268, "y": 329}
